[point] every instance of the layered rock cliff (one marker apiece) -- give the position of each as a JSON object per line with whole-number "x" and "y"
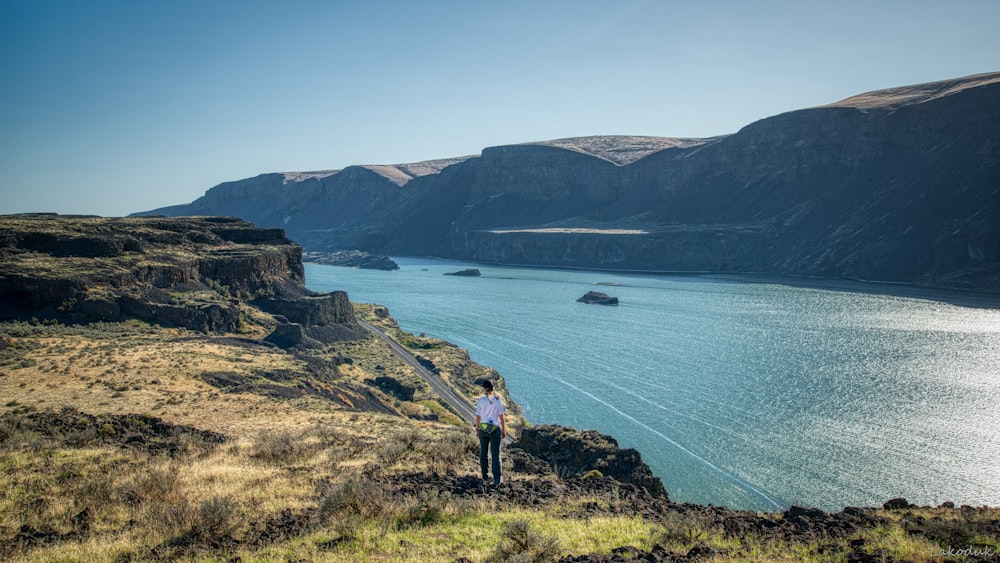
{"x": 898, "y": 185}
{"x": 197, "y": 273}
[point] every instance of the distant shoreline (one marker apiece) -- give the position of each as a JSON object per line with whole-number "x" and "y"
{"x": 959, "y": 297}
{"x": 953, "y": 296}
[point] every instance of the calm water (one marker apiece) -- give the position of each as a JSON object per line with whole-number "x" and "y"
{"x": 749, "y": 395}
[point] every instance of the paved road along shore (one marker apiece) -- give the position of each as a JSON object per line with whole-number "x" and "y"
{"x": 458, "y": 404}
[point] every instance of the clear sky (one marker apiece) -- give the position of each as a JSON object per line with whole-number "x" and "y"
{"x": 111, "y": 107}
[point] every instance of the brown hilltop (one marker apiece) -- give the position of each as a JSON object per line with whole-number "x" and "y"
{"x": 892, "y": 98}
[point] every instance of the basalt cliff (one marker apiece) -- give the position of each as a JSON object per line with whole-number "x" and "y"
{"x": 209, "y": 274}
{"x": 897, "y": 185}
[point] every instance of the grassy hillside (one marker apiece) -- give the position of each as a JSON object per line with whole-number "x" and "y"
{"x": 116, "y": 446}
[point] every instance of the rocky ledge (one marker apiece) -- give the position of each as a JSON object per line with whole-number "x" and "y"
{"x": 209, "y": 274}
{"x": 584, "y": 453}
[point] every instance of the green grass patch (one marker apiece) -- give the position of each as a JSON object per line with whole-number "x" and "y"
{"x": 443, "y": 414}
{"x": 414, "y": 342}
{"x": 472, "y": 535}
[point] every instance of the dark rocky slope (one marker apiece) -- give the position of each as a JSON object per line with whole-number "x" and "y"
{"x": 575, "y": 453}
{"x": 898, "y": 185}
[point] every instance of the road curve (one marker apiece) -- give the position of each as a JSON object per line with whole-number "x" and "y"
{"x": 458, "y": 404}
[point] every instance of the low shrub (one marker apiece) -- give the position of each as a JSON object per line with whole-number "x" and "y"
{"x": 683, "y": 530}
{"x": 168, "y": 519}
{"x": 355, "y": 495}
{"x": 157, "y": 483}
{"x": 396, "y": 447}
{"x": 279, "y": 447}
{"x": 521, "y": 544}
{"x": 449, "y": 451}
{"x": 218, "y": 517}
{"x": 428, "y": 508}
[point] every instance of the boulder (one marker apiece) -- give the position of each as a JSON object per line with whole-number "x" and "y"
{"x": 469, "y": 272}
{"x": 291, "y": 335}
{"x": 896, "y": 504}
{"x": 392, "y": 386}
{"x": 597, "y": 298}
{"x": 313, "y": 310}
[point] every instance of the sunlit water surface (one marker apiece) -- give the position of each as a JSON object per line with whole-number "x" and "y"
{"x": 749, "y": 395}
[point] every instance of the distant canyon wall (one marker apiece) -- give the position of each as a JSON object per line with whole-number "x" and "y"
{"x": 898, "y": 185}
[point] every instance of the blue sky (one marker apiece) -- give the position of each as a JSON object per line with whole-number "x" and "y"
{"x": 112, "y": 107}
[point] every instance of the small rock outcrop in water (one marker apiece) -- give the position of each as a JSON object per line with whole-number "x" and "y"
{"x": 470, "y": 273}
{"x": 353, "y": 259}
{"x": 597, "y": 298}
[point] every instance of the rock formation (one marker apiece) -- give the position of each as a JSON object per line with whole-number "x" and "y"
{"x": 576, "y": 452}
{"x": 196, "y": 273}
{"x": 597, "y": 298}
{"x": 468, "y": 273}
{"x": 899, "y": 185}
{"x": 352, "y": 258}
{"x": 291, "y": 336}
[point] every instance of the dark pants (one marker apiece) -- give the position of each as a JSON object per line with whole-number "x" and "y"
{"x": 492, "y": 440}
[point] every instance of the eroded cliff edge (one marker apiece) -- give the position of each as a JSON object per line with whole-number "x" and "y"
{"x": 208, "y": 274}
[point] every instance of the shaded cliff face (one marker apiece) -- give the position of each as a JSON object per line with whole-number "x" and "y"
{"x": 897, "y": 185}
{"x": 198, "y": 273}
{"x": 322, "y": 211}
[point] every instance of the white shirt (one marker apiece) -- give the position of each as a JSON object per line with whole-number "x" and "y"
{"x": 489, "y": 409}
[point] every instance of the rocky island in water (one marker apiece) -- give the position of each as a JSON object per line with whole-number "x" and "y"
{"x": 597, "y": 298}
{"x": 467, "y": 273}
{"x": 352, "y": 258}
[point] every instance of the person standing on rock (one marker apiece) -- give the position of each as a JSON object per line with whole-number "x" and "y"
{"x": 491, "y": 428}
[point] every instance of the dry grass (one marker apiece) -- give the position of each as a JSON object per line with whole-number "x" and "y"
{"x": 139, "y": 505}
{"x": 298, "y": 478}
{"x": 134, "y": 502}
{"x": 154, "y": 371}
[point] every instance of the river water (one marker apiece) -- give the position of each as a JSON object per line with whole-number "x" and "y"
{"x": 750, "y": 393}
